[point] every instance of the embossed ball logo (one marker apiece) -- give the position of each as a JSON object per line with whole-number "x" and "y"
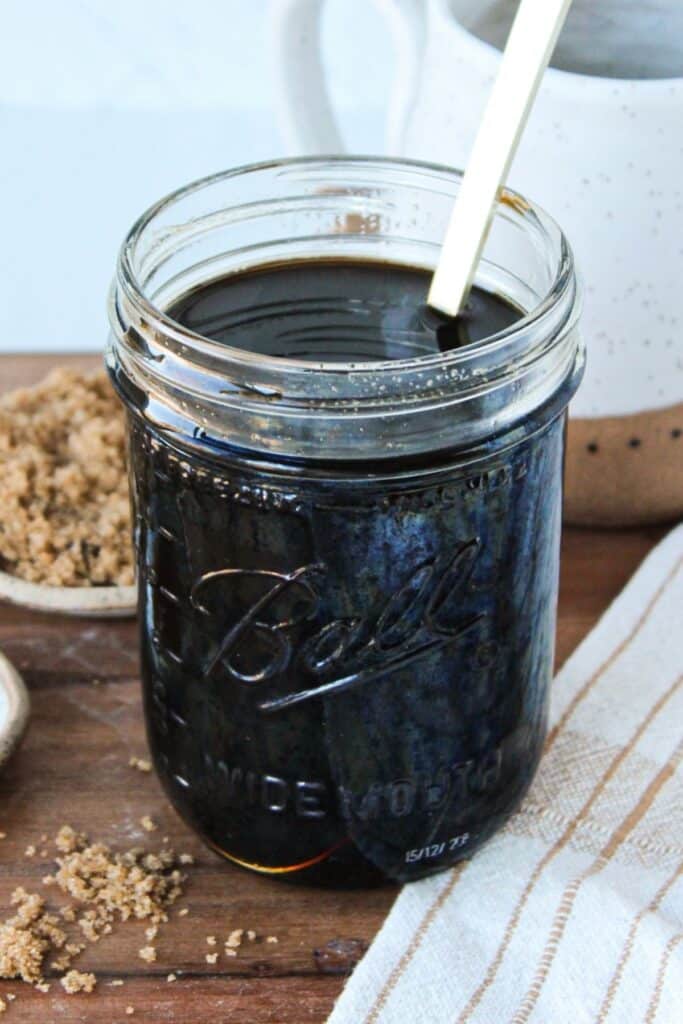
{"x": 262, "y": 615}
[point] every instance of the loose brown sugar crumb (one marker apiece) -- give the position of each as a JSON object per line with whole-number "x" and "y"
{"x": 171, "y": 977}
{"x": 68, "y": 840}
{"x": 30, "y": 851}
{"x": 211, "y": 958}
{"x": 62, "y": 963}
{"x": 251, "y": 935}
{"x": 186, "y": 858}
{"x": 148, "y": 824}
{"x": 90, "y": 923}
{"x": 63, "y": 487}
{"x": 152, "y": 862}
{"x": 211, "y": 940}
{"x": 10, "y": 997}
{"x": 230, "y": 952}
{"x": 184, "y": 912}
{"x": 116, "y": 983}
{"x": 130, "y": 1010}
{"x": 272, "y": 938}
{"x": 77, "y": 981}
{"x": 234, "y": 939}
{"x": 141, "y": 763}
{"x": 3, "y": 1005}
{"x": 148, "y": 954}
{"x": 151, "y": 933}
{"x": 43, "y": 986}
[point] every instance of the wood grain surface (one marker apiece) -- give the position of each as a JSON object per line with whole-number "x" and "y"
{"x": 73, "y": 768}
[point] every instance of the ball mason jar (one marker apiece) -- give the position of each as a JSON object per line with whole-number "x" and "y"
{"x": 347, "y": 571}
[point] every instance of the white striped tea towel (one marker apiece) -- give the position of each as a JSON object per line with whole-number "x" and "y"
{"x": 573, "y": 914}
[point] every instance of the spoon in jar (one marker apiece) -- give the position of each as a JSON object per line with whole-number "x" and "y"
{"x": 530, "y": 44}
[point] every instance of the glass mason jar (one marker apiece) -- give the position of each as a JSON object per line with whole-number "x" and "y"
{"x": 347, "y": 571}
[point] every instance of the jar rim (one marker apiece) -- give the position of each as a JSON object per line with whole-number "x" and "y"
{"x": 296, "y": 209}
{"x": 158, "y": 318}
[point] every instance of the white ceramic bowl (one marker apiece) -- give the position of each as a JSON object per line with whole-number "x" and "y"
{"x": 99, "y": 602}
{"x": 14, "y": 707}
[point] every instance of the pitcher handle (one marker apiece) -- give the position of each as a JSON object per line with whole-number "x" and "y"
{"x": 307, "y": 118}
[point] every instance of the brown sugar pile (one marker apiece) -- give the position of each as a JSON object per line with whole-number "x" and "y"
{"x": 134, "y": 884}
{"x": 106, "y": 887}
{"x": 64, "y": 503}
{"x": 26, "y": 937}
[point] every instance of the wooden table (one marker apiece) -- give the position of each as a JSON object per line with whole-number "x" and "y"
{"x": 73, "y": 767}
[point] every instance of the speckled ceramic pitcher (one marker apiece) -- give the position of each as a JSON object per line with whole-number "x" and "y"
{"x": 603, "y": 152}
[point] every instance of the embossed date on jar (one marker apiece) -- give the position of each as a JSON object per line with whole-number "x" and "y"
{"x": 435, "y": 850}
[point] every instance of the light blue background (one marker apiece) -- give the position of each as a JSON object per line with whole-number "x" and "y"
{"x": 106, "y": 106}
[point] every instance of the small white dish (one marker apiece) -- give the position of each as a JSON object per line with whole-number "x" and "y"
{"x": 99, "y": 602}
{"x": 14, "y": 707}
